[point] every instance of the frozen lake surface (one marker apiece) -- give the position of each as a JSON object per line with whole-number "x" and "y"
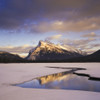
{"x": 20, "y": 73}
{"x": 64, "y": 80}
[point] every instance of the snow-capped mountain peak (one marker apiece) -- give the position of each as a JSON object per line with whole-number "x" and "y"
{"x": 42, "y": 43}
{"x": 49, "y": 51}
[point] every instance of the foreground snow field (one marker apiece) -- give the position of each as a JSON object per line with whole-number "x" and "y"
{"x": 18, "y": 73}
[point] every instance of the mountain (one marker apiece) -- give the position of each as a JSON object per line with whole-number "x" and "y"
{"x": 94, "y": 57}
{"x": 46, "y": 51}
{"x": 49, "y": 52}
{"x": 6, "y": 57}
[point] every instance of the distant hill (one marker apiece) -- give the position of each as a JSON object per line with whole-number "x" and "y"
{"x": 6, "y": 57}
{"x": 50, "y": 52}
{"x": 95, "y": 57}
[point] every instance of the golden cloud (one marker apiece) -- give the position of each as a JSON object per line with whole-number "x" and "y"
{"x": 87, "y": 24}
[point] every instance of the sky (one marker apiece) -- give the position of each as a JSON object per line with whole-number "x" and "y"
{"x": 23, "y": 23}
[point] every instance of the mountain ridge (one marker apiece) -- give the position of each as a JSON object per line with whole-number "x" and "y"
{"x": 94, "y": 57}
{"x": 6, "y": 57}
{"x": 48, "y": 51}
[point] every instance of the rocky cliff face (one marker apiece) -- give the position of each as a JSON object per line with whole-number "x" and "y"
{"x": 50, "y": 52}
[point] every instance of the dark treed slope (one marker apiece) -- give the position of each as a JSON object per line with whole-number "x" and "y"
{"x": 6, "y": 57}
{"x": 95, "y": 57}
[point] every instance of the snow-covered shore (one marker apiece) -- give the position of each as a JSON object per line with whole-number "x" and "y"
{"x": 17, "y": 73}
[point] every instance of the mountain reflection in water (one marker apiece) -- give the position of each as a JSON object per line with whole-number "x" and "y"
{"x": 63, "y": 80}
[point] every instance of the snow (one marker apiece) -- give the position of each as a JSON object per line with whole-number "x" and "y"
{"x": 18, "y": 73}
{"x": 45, "y": 46}
{"x": 52, "y": 46}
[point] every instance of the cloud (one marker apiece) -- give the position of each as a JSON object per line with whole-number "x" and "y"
{"x": 17, "y": 14}
{"x": 76, "y": 42}
{"x": 85, "y": 44}
{"x": 96, "y": 45}
{"x": 24, "y": 49}
{"x": 54, "y": 37}
{"x": 88, "y": 45}
{"x": 93, "y": 48}
{"x": 89, "y": 35}
{"x": 65, "y": 26}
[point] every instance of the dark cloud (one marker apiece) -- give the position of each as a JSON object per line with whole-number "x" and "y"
{"x": 15, "y": 14}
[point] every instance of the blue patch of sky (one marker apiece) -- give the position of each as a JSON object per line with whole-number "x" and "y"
{"x": 72, "y": 35}
{"x": 18, "y": 39}
{"x": 21, "y": 38}
{"x": 2, "y": 4}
